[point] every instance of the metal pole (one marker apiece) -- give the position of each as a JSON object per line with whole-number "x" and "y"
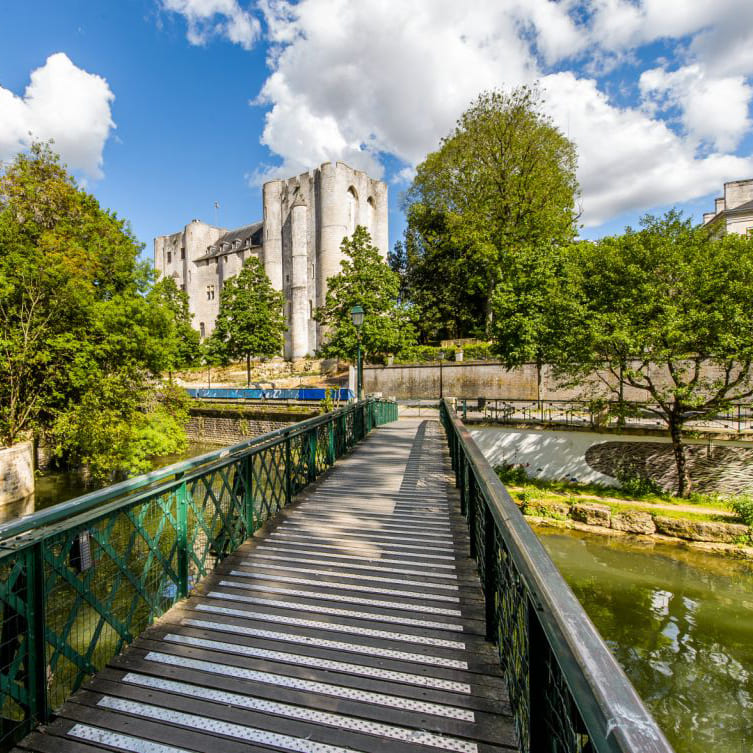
{"x": 359, "y": 371}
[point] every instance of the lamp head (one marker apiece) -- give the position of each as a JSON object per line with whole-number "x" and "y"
{"x": 356, "y": 315}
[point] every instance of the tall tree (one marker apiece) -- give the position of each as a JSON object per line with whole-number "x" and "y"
{"x": 182, "y": 344}
{"x": 250, "y": 323}
{"x": 366, "y": 280}
{"x": 503, "y": 180}
{"x": 667, "y": 310}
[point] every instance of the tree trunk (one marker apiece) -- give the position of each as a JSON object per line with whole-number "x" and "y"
{"x": 248, "y": 371}
{"x": 684, "y": 482}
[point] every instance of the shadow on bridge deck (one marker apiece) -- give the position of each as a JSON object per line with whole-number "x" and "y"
{"x": 353, "y": 622}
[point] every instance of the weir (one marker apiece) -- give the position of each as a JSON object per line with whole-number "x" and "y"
{"x": 371, "y": 606}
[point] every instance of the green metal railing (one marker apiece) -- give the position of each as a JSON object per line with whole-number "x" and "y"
{"x": 567, "y": 692}
{"x": 81, "y": 580}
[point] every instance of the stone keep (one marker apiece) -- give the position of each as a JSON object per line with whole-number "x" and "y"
{"x": 304, "y": 221}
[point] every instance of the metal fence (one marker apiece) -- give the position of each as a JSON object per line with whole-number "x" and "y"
{"x": 737, "y": 418}
{"x": 81, "y": 580}
{"x": 307, "y": 394}
{"x": 567, "y": 692}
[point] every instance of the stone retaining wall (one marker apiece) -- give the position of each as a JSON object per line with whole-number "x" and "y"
{"x": 16, "y": 472}
{"x": 228, "y": 426}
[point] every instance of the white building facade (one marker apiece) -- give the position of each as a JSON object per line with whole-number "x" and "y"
{"x": 733, "y": 212}
{"x": 305, "y": 219}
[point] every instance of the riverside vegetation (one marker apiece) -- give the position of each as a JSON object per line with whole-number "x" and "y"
{"x": 638, "y": 506}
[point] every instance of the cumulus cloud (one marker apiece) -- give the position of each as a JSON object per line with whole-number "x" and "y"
{"x": 216, "y": 18}
{"x": 64, "y": 103}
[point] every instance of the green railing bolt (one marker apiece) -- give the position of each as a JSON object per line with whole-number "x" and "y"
{"x": 181, "y": 498}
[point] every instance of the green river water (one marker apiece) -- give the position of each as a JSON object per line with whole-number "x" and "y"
{"x": 680, "y": 623}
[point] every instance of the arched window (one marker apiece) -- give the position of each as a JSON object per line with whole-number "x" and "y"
{"x": 352, "y": 210}
{"x": 372, "y": 215}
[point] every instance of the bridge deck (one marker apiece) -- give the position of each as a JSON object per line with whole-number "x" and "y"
{"x": 354, "y": 623}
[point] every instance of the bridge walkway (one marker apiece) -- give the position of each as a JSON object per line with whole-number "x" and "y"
{"x": 354, "y": 622}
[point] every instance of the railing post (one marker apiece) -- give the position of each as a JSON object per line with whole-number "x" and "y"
{"x": 463, "y": 490}
{"x": 38, "y": 711}
{"x": 311, "y": 443}
{"x": 539, "y": 733}
{"x": 331, "y": 442}
{"x": 182, "y": 516}
{"x": 288, "y": 471}
{"x": 248, "y": 497}
{"x": 472, "y": 500}
{"x": 490, "y": 574}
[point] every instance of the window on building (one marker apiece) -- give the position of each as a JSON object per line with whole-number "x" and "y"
{"x": 169, "y": 257}
{"x": 183, "y": 253}
{"x": 202, "y": 333}
{"x": 352, "y": 198}
{"x": 210, "y": 292}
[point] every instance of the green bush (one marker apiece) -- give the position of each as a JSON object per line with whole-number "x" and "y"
{"x": 743, "y": 506}
{"x": 478, "y": 352}
{"x": 510, "y": 473}
{"x": 640, "y": 486}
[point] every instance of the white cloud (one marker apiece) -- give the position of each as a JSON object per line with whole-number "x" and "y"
{"x": 63, "y": 103}
{"x": 713, "y": 110}
{"x": 210, "y": 18}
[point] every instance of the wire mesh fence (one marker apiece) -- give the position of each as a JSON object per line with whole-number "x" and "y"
{"x": 80, "y": 582}
{"x": 566, "y": 691}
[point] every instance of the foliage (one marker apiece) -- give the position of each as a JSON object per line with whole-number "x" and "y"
{"x": 111, "y": 432}
{"x": 250, "y": 323}
{"x": 743, "y": 506}
{"x": 502, "y": 182}
{"x": 478, "y": 352}
{"x": 666, "y": 310}
{"x": 639, "y": 486}
{"x": 365, "y": 280}
{"x": 182, "y": 345}
{"x": 512, "y": 473}
{"x": 76, "y": 326}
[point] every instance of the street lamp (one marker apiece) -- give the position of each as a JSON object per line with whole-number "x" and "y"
{"x": 356, "y": 315}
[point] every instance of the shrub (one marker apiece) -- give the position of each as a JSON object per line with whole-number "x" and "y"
{"x": 743, "y": 506}
{"x": 478, "y": 352}
{"x": 510, "y": 473}
{"x": 640, "y": 486}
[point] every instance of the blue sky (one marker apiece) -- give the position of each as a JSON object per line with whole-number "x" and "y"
{"x": 163, "y": 107}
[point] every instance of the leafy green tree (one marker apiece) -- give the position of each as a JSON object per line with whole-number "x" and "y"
{"x": 667, "y": 310}
{"x": 251, "y": 322}
{"x": 366, "y": 280}
{"x": 182, "y": 344}
{"x": 502, "y": 181}
{"x": 75, "y": 317}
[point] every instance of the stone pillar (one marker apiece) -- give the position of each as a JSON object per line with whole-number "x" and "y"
{"x": 299, "y": 304}
{"x": 272, "y": 238}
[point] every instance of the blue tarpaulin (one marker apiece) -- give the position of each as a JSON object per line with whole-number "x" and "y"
{"x": 300, "y": 393}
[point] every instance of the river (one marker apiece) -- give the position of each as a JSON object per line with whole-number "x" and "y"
{"x": 680, "y": 622}
{"x": 52, "y": 487}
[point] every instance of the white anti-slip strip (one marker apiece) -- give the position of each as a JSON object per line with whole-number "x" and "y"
{"x": 122, "y": 742}
{"x": 364, "y": 587}
{"x": 340, "y": 721}
{"x": 360, "y": 509}
{"x": 347, "y": 542}
{"x": 311, "y": 686}
{"x": 318, "y": 609}
{"x": 277, "y": 558}
{"x": 335, "y": 627}
{"x": 301, "y": 549}
{"x": 255, "y": 564}
{"x": 384, "y": 531}
{"x": 343, "y": 599}
{"x": 306, "y": 640}
{"x": 207, "y": 724}
{"x": 325, "y": 664}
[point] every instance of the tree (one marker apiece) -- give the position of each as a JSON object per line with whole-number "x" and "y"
{"x": 76, "y": 323}
{"x": 366, "y": 280}
{"x": 502, "y": 181}
{"x": 182, "y": 343}
{"x": 667, "y": 310}
{"x": 250, "y": 323}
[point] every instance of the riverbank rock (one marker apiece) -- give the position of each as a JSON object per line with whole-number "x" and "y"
{"x": 592, "y": 514}
{"x": 700, "y": 530}
{"x": 546, "y": 509}
{"x": 633, "y": 521}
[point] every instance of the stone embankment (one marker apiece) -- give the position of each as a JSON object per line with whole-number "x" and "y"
{"x": 719, "y": 536}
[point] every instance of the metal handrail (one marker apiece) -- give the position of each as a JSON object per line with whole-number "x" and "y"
{"x": 610, "y": 714}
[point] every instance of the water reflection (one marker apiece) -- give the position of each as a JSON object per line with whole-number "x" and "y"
{"x": 680, "y": 623}
{"x": 53, "y": 487}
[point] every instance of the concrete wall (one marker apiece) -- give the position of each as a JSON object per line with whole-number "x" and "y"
{"x": 470, "y": 380}
{"x": 16, "y": 472}
{"x": 589, "y": 457}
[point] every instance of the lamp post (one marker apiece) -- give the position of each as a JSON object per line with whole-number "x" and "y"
{"x": 441, "y": 384}
{"x": 356, "y": 315}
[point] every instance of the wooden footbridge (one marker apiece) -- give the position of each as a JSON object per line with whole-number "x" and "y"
{"x": 260, "y": 599}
